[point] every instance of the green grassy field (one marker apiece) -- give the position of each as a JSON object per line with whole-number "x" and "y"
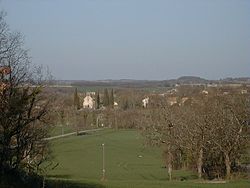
{"x": 128, "y": 163}
{"x": 59, "y": 130}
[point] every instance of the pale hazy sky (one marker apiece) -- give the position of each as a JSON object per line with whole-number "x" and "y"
{"x": 137, "y": 39}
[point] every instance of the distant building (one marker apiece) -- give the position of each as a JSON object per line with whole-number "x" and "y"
{"x": 243, "y": 91}
{"x": 183, "y": 100}
{"x": 205, "y": 92}
{"x": 145, "y": 102}
{"x": 88, "y": 102}
{"x": 212, "y": 85}
{"x": 172, "y": 91}
{"x": 172, "y": 100}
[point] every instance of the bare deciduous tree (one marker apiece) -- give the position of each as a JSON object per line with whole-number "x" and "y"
{"x": 210, "y": 130}
{"x": 23, "y": 107}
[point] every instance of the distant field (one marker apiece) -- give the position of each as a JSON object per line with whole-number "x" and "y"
{"x": 128, "y": 163}
{"x": 145, "y": 89}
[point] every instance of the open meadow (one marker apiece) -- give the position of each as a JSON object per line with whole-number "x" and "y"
{"x": 128, "y": 163}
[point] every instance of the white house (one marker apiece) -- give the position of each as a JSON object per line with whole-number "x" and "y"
{"x": 183, "y": 100}
{"x": 88, "y": 102}
{"x": 243, "y": 91}
{"x": 145, "y": 102}
{"x": 205, "y": 92}
{"x": 172, "y": 100}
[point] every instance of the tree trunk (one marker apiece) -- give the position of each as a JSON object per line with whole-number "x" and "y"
{"x": 170, "y": 171}
{"x": 228, "y": 166}
{"x": 200, "y": 163}
{"x": 169, "y": 162}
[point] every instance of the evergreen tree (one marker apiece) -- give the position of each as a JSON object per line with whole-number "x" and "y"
{"x": 97, "y": 100}
{"x": 106, "y": 98}
{"x": 125, "y": 104}
{"x": 111, "y": 98}
{"x": 76, "y": 100}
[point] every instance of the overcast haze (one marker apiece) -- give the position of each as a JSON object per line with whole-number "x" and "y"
{"x": 136, "y": 39}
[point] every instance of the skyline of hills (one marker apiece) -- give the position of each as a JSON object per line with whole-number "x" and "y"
{"x": 152, "y": 83}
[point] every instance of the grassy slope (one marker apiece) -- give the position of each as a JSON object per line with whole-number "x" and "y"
{"x": 80, "y": 160}
{"x": 57, "y": 130}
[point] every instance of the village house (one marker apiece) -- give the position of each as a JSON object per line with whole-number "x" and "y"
{"x": 183, "y": 100}
{"x": 172, "y": 91}
{"x": 212, "y": 85}
{"x": 88, "y": 102}
{"x": 145, "y": 102}
{"x": 172, "y": 100}
{"x": 205, "y": 92}
{"x": 243, "y": 91}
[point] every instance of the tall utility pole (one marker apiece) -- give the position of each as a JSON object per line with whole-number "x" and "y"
{"x": 103, "y": 162}
{"x": 170, "y": 156}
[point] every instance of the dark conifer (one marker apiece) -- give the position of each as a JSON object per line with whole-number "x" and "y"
{"x": 106, "y": 98}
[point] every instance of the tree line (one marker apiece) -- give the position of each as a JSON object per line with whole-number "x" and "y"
{"x": 207, "y": 133}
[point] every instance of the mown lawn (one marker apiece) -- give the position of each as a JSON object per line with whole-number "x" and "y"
{"x": 128, "y": 163}
{"x": 61, "y": 129}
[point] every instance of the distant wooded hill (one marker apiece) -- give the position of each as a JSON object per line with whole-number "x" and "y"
{"x": 130, "y": 83}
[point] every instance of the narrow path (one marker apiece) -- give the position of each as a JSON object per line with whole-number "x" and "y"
{"x": 73, "y": 133}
